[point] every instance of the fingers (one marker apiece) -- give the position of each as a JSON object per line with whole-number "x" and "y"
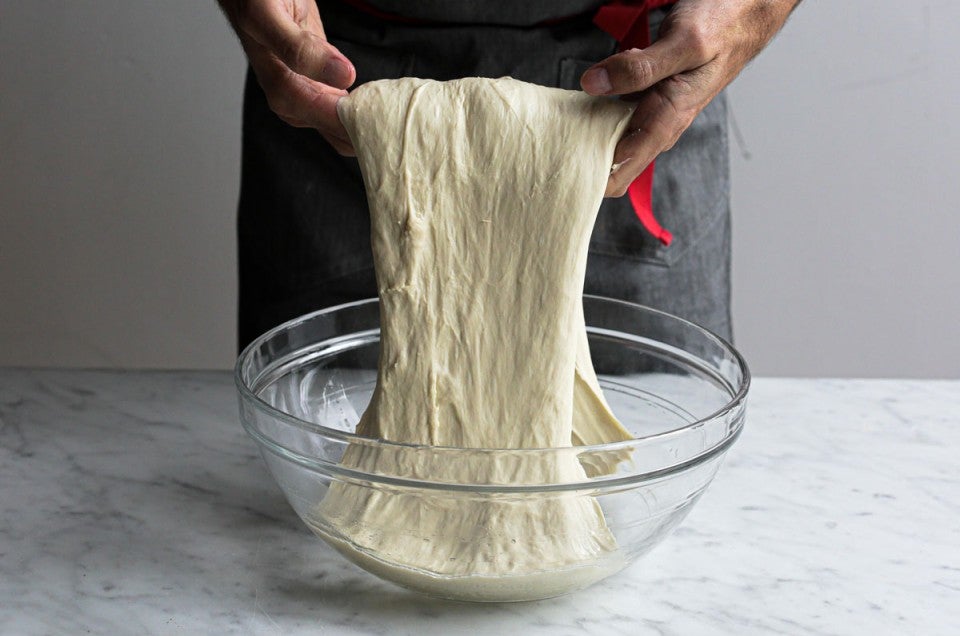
{"x": 702, "y": 47}
{"x": 297, "y": 40}
{"x": 298, "y": 100}
{"x": 639, "y": 69}
{"x": 661, "y": 116}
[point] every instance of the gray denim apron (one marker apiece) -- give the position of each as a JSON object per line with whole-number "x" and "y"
{"x": 303, "y": 224}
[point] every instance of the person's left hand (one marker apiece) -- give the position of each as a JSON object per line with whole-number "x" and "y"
{"x": 703, "y": 46}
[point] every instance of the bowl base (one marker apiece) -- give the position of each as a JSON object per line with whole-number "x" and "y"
{"x": 531, "y": 586}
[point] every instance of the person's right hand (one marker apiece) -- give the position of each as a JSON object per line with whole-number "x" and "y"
{"x": 301, "y": 73}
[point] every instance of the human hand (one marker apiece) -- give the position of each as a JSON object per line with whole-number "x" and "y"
{"x": 703, "y": 46}
{"x": 301, "y": 73}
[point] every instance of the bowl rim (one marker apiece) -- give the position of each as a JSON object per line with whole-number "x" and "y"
{"x": 735, "y": 402}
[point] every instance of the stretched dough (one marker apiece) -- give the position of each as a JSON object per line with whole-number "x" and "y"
{"x": 482, "y": 195}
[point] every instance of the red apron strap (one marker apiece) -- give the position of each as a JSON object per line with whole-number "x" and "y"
{"x": 629, "y": 24}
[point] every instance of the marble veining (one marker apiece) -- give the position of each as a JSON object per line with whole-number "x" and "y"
{"x": 133, "y": 503}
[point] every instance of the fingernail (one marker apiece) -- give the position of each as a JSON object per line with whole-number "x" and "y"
{"x": 596, "y": 81}
{"x": 337, "y": 72}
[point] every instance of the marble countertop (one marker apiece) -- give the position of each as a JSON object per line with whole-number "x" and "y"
{"x": 133, "y": 503}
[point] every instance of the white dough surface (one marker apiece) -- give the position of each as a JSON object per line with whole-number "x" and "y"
{"x": 483, "y": 194}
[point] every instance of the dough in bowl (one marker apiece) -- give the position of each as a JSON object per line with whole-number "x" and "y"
{"x": 483, "y": 194}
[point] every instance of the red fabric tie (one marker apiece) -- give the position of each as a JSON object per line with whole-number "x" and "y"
{"x": 629, "y": 24}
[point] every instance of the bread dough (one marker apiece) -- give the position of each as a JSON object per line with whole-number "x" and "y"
{"x": 483, "y": 194}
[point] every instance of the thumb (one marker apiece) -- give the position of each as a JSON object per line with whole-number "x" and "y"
{"x": 636, "y": 70}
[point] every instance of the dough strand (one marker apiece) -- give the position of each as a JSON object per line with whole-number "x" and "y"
{"x": 483, "y": 194}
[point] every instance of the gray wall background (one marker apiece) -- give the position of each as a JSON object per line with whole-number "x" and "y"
{"x": 119, "y": 166}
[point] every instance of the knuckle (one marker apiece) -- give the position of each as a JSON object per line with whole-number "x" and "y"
{"x": 617, "y": 185}
{"x": 279, "y": 103}
{"x": 698, "y": 42}
{"x": 305, "y": 55}
{"x": 639, "y": 68}
{"x": 671, "y": 141}
{"x": 292, "y": 119}
{"x": 680, "y": 124}
{"x": 294, "y": 53}
{"x": 666, "y": 116}
{"x": 342, "y": 148}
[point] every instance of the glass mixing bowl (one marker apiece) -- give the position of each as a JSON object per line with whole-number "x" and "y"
{"x": 678, "y": 389}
